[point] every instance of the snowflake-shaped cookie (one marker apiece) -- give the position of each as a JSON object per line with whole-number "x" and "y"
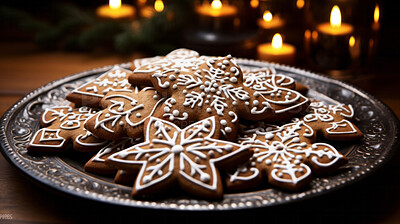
{"x": 285, "y": 156}
{"x": 125, "y": 113}
{"x": 199, "y": 87}
{"x": 332, "y": 121}
{"x": 188, "y": 157}
{"x": 90, "y": 93}
{"x": 62, "y": 125}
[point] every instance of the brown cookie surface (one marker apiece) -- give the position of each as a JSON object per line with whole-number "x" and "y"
{"x": 62, "y": 125}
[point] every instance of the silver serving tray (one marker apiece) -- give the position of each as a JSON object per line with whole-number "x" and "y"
{"x": 65, "y": 174}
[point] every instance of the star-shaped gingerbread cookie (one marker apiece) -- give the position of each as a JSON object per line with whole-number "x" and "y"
{"x": 188, "y": 157}
{"x": 63, "y": 124}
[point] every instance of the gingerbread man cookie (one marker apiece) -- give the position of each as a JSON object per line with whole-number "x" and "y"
{"x": 125, "y": 113}
{"x": 187, "y": 157}
{"x": 199, "y": 87}
{"x": 285, "y": 156}
{"x": 90, "y": 93}
{"x": 332, "y": 121}
{"x": 62, "y": 125}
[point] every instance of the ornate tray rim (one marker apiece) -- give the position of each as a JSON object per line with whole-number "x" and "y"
{"x": 7, "y": 151}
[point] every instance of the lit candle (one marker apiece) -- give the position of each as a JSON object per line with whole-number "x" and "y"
{"x": 335, "y": 27}
{"x": 270, "y": 21}
{"x": 116, "y": 10}
{"x": 376, "y": 23}
{"x": 217, "y": 15}
{"x": 277, "y": 51}
{"x": 149, "y": 11}
{"x": 217, "y": 9}
{"x": 334, "y": 45}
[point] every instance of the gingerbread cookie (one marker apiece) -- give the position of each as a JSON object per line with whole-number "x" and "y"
{"x": 97, "y": 163}
{"x": 126, "y": 178}
{"x": 332, "y": 121}
{"x": 285, "y": 156}
{"x": 199, "y": 87}
{"x": 62, "y": 125}
{"x": 187, "y": 157}
{"x": 90, "y": 93}
{"x": 125, "y": 113}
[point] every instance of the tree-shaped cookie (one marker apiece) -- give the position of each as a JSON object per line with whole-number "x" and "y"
{"x": 90, "y": 93}
{"x": 284, "y": 156}
{"x": 125, "y": 113}
{"x": 332, "y": 121}
{"x": 199, "y": 87}
{"x": 187, "y": 157}
{"x": 62, "y": 125}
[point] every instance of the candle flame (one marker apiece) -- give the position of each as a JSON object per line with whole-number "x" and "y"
{"x": 267, "y": 16}
{"x": 159, "y": 5}
{"x": 336, "y": 17}
{"x": 277, "y": 41}
{"x": 352, "y": 41}
{"x": 376, "y": 13}
{"x": 254, "y": 3}
{"x": 300, "y": 4}
{"x": 216, "y": 4}
{"x": 115, "y": 4}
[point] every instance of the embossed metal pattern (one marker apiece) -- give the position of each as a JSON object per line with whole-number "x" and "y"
{"x": 378, "y": 123}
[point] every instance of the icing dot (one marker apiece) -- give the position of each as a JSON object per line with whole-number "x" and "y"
{"x": 247, "y": 103}
{"x": 173, "y": 101}
{"x": 228, "y": 148}
{"x": 218, "y": 92}
{"x": 207, "y": 124}
{"x": 190, "y": 131}
{"x": 269, "y": 136}
{"x": 176, "y": 149}
{"x": 314, "y": 146}
{"x": 256, "y": 103}
{"x": 46, "y": 135}
{"x": 280, "y": 175}
{"x": 70, "y": 123}
{"x": 184, "y": 91}
{"x": 197, "y": 159}
{"x": 223, "y": 67}
{"x": 158, "y": 160}
{"x": 175, "y": 113}
{"x": 233, "y": 69}
{"x": 234, "y": 103}
{"x": 200, "y": 135}
{"x": 177, "y": 71}
{"x": 208, "y": 110}
{"x": 174, "y": 86}
{"x": 146, "y": 179}
{"x": 159, "y": 172}
{"x": 151, "y": 146}
{"x": 256, "y": 150}
{"x": 120, "y": 109}
{"x": 213, "y": 90}
{"x": 207, "y": 90}
{"x": 228, "y": 130}
{"x": 115, "y": 84}
{"x": 326, "y": 149}
{"x": 268, "y": 162}
{"x": 215, "y": 85}
{"x": 121, "y": 123}
{"x": 167, "y": 129}
{"x": 233, "y": 79}
{"x": 167, "y": 109}
{"x": 155, "y": 97}
{"x": 296, "y": 162}
{"x": 51, "y": 135}
{"x": 272, "y": 95}
{"x": 202, "y": 87}
{"x": 225, "y": 62}
{"x": 299, "y": 157}
{"x": 207, "y": 83}
{"x": 212, "y": 61}
{"x": 159, "y": 136}
{"x": 172, "y": 77}
{"x": 211, "y": 154}
{"x": 133, "y": 103}
{"x": 296, "y": 139}
{"x": 227, "y": 73}
{"x": 205, "y": 177}
{"x": 206, "y": 101}
{"x": 219, "y": 64}
{"x": 138, "y": 115}
{"x": 209, "y": 96}
{"x": 202, "y": 94}
{"x": 223, "y": 122}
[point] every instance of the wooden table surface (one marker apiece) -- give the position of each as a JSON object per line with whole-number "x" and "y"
{"x": 23, "y": 68}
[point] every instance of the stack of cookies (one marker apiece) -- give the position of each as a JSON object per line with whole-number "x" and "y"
{"x": 198, "y": 124}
